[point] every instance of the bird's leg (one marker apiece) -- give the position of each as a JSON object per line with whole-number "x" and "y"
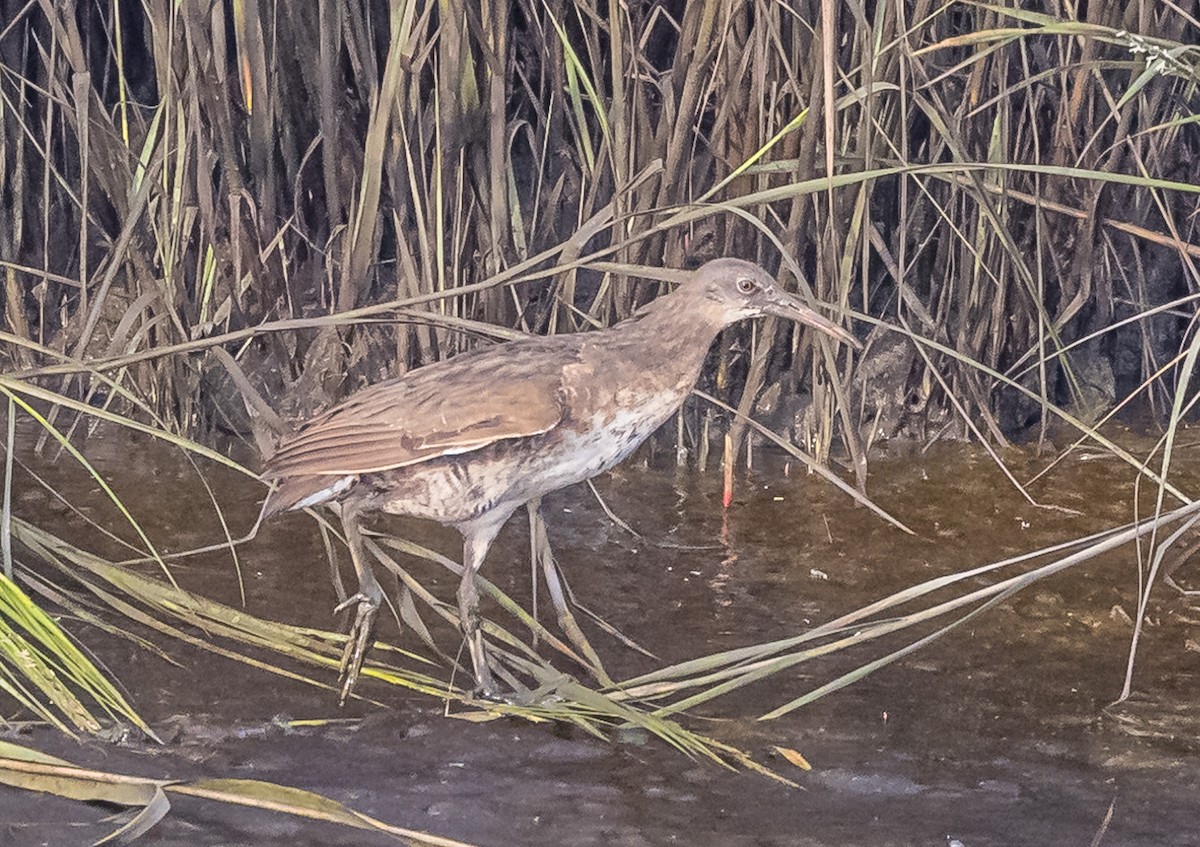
{"x": 368, "y": 598}
{"x": 475, "y": 547}
{"x": 566, "y": 620}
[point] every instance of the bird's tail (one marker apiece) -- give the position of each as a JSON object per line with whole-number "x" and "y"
{"x": 301, "y": 492}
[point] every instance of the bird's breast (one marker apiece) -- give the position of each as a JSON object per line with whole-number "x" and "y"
{"x": 591, "y": 443}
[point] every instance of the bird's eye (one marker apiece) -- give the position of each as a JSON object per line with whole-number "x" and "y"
{"x": 745, "y": 285}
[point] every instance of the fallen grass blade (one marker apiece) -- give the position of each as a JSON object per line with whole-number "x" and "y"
{"x": 145, "y": 820}
{"x": 556, "y": 696}
{"x": 23, "y": 767}
{"x": 730, "y": 670}
{"x": 34, "y": 645}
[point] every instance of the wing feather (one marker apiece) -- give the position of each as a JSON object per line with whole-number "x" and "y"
{"x": 447, "y": 408}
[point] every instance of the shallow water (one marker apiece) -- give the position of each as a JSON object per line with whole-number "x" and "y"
{"x": 997, "y": 734}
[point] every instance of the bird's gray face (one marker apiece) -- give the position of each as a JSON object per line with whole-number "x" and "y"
{"x": 744, "y": 290}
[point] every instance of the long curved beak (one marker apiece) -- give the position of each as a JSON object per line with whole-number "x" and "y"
{"x": 784, "y": 305}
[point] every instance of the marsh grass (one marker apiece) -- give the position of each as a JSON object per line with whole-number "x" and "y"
{"x": 325, "y": 193}
{"x": 150, "y": 799}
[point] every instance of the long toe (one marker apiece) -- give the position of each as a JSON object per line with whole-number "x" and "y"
{"x": 360, "y": 599}
{"x": 356, "y": 648}
{"x": 488, "y": 690}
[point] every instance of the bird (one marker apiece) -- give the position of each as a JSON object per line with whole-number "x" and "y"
{"x": 468, "y": 440}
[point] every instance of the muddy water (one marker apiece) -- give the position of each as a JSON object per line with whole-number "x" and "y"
{"x": 995, "y": 735}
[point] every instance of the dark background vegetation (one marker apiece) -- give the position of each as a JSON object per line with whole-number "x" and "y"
{"x": 174, "y": 172}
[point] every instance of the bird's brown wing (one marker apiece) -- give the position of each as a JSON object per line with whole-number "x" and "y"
{"x": 448, "y": 408}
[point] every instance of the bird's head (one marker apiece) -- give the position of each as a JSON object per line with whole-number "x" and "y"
{"x": 736, "y": 290}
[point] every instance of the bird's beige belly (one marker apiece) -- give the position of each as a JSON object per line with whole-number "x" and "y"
{"x": 459, "y": 489}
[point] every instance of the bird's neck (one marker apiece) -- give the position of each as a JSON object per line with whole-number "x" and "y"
{"x": 678, "y": 331}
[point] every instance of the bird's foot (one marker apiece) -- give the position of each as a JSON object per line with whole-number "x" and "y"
{"x": 485, "y": 685}
{"x": 357, "y": 644}
{"x": 523, "y": 697}
{"x": 489, "y": 694}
